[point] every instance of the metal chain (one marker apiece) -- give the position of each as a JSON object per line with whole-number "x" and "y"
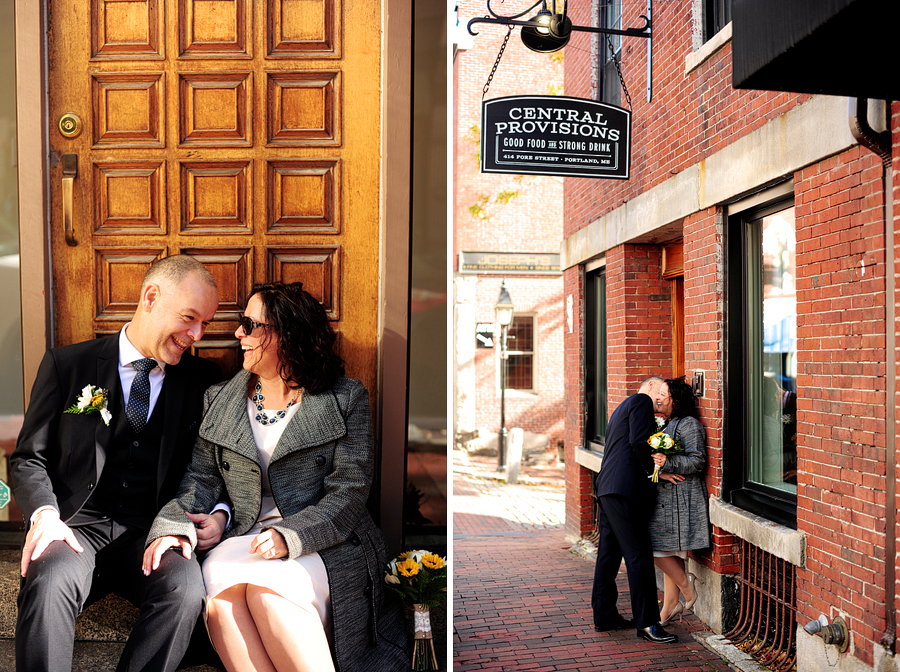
{"x": 487, "y": 84}
{"x": 615, "y": 61}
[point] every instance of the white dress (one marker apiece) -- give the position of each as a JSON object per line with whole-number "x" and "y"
{"x": 303, "y": 580}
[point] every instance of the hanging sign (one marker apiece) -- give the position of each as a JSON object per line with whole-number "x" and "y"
{"x": 555, "y": 135}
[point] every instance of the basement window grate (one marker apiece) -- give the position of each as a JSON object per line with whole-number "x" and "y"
{"x": 766, "y": 624}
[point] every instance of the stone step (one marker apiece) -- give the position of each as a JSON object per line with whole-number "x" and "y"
{"x": 90, "y": 657}
{"x": 100, "y": 631}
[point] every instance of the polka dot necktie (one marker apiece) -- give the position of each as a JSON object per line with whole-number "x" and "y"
{"x": 139, "y": 398}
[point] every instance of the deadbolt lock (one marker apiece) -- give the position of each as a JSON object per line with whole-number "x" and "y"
{"x": 70, "y": 125}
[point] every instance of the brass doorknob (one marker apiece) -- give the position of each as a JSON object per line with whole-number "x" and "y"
{"x": 70, "y": 125}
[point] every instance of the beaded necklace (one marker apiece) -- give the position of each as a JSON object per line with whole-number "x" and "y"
{"x": 261, "y": 416}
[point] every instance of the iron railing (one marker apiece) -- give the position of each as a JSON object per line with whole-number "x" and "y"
{"x": 766, "y": 624}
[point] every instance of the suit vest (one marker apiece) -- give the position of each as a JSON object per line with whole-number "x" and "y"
{"x": 126, "y": 491}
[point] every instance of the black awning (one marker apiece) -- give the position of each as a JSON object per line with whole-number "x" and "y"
{"x": 836, "y": 47}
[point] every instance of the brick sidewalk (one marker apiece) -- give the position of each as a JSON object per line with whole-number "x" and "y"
{"x": 521, "y": 600}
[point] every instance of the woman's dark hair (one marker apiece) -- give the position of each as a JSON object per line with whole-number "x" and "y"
{"x": 683, "y": 404}
{"x": 305, "y": 337}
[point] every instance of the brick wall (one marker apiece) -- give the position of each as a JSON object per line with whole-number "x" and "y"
{"x": 895, "y": 126}
{"x": 579, "y": 481}
{"x": 704, "y": 305}
{"x": 841, "y": 407}
{"x": 638, "y": 320}
{"x": 691, "y": 115}
{"x": 841, "y": 310}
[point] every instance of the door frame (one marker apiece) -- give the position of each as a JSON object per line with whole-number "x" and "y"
{"x": 393, "y": 319}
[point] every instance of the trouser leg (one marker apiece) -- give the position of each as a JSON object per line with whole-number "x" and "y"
{"x": 170, "y": 601}
{"x": 630, "y": 526}
{"x": 50, "y": 598}
{"x": 604, "y": 594}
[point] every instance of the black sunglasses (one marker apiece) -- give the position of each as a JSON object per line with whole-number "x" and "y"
{"x": 249, "y": 325}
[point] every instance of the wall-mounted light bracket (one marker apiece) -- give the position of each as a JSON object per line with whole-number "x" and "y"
{"x": 548, "y": 30}
{"x": 644, "y": 31}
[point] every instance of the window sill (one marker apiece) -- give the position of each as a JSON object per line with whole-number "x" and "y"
{"x": 589, "y": 459}
{"x": 696, "y": 58}
{"x": 521, "y": 394}
{"x": 780, "y": 541}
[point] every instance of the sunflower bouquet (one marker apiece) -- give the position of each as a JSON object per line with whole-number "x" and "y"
{"x": 665, "y": 444}
{"x": 421, "y": 578}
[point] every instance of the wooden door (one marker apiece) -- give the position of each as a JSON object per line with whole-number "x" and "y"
{"x": 673, "y": 269}
{"x": 242, "y": 132}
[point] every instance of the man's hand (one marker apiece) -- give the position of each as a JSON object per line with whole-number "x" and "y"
{"x": 160, "y": 545}
{"x": 47, "y": 528}
{"x": 209, "y": 528}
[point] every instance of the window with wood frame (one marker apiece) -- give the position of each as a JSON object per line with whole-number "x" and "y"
{"x": 595, "y": 359}
{"x": 761, "y": 362}
{"x": 520, "y": 353}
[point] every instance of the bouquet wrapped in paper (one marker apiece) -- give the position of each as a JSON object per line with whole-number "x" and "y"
{"x": 665, "y": 444}
{"x": 420, "y": 577}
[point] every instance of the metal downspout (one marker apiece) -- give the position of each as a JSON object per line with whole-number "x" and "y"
{"x": 880, "y": 144}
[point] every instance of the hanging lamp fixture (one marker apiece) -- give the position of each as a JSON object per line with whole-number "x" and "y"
{"x": 549, "y": 30}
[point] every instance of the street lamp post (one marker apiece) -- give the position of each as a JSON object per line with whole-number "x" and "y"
{"x": 504, "y": 313}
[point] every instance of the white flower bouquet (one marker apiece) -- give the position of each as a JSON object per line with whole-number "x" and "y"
{"x": 93, "y": 399}
{"x": 665, "y": 444}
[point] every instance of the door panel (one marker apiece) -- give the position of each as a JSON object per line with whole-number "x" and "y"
{"x": 245, "y": 134}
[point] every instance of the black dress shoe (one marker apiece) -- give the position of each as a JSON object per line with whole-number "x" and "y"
{"x": 617, "y": 623}
{"x": 655, "y": 633}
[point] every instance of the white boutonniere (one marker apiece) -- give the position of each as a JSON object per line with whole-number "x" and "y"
{"x": 93, "y": 399}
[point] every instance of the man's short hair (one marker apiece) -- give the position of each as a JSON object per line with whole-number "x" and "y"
{"x": 649, "y": 380}
{"x": 175, "y": 269}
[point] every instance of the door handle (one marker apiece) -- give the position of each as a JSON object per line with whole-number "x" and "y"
{"x": 70, "y": 172}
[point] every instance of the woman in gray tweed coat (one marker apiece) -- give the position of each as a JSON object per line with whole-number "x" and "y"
{"x": 296, "y": 581}
{"x": 680, "y": 522}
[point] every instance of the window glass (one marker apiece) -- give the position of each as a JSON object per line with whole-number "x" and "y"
{"x": 610, "y": 88}
{"x": 773, "y": 351}
{"x": 520, "y": 351}
{"x": 761, "y": 396}
{"x": 717, "y": 15}
{"x": 595, "y": 364}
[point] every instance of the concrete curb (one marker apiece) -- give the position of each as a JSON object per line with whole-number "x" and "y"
{"x": 736, "y": 659}
{"x": 501, "y": 476}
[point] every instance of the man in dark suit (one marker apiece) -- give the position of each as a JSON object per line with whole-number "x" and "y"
{"x": 625, "y": 501}
{"x": 90, "y": 482}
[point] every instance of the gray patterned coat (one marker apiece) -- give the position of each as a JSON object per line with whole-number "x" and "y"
{"x": 320, "y": 475}
{"x": 680, "y": 521}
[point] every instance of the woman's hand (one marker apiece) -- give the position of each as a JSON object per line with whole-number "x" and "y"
{"x": 659, "y": 459}
{"x": 160, "y": 545}
{"x": 269, "y": 544}
{"x": 674, "y": 479}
